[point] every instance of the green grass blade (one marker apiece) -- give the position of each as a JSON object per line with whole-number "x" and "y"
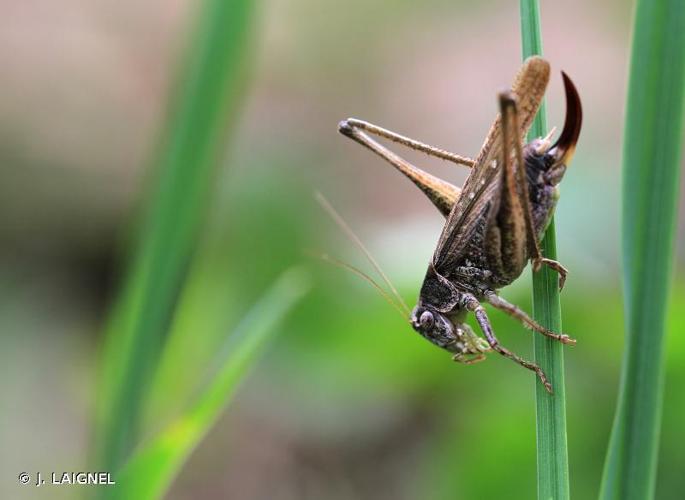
{"x": 552, "y": 452}
{"x": 152, "y": 469}
{"x": 207, "y": 307}
{"x": 205, "y": 98}
{"x": 652, "y": 148}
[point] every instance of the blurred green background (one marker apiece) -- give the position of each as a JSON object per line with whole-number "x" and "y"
{"x": 348, "y": 403}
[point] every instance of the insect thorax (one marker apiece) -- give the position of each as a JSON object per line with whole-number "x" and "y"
{"x": 475, "y": 273}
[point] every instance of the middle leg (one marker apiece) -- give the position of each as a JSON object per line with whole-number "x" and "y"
{"x": 515, "y": 312}
{"x": 484, "y": 324}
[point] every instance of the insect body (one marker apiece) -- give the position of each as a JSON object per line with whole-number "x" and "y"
{"x": 494, "y": 223}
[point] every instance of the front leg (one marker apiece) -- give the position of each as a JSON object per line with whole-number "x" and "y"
{"x": 468, "y": 358}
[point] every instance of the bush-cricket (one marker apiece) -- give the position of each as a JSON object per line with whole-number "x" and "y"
{"x": 494, "y": 222}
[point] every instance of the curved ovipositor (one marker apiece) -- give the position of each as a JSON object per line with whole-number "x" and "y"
{"x": 565, "y": 146}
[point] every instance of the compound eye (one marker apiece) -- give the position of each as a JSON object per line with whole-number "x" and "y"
{"x": 427, "y": 320}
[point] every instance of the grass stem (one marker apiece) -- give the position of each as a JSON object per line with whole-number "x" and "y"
{"x": 552, "y": 453}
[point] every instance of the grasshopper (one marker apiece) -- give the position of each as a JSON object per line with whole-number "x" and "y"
{"x": 494, "y": 223}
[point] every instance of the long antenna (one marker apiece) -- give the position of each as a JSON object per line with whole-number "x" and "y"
{"x": 350, "y": 234}
{"x": 363, "y": 275}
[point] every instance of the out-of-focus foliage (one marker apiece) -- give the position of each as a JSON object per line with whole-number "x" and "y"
{"x": 148, "y": 474}
{"x": 652, "y": 154}
{"x": 207, "y": 95}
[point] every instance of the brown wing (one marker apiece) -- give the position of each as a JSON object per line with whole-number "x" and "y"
{"x": 485, "y": 179}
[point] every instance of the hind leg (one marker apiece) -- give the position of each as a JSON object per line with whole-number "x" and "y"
{"x": 516, "y": 188}
{"x": 440, "y": 192}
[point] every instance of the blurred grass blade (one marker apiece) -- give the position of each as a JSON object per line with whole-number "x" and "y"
{"x": 209, "y": 303}
{"x": 552, "y": 452}
{"x": 652, "y": 148}
{"x": 205, "y": 99}
{"x": 151, "y": 470}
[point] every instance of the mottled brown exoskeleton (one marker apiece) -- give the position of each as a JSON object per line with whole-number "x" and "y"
{"x": 494, "y": 223}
